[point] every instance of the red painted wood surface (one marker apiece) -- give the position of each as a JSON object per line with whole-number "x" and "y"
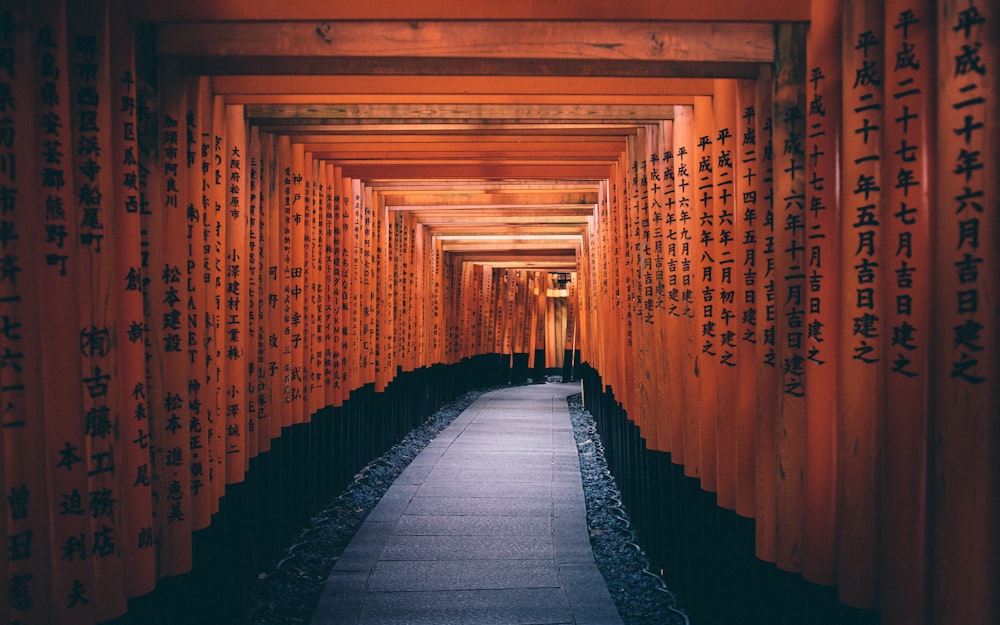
{"x": 823, "y": 216}
{"x": 963, "y": 438}
{"x": 862, "y": 323}
{"x": 909, "y": 196}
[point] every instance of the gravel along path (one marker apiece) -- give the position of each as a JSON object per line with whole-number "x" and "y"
{"x": 287, "y": 593}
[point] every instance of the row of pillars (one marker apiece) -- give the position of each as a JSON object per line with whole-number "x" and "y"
{"x": 791, "y": 291}
{"x": 195, "y": 311}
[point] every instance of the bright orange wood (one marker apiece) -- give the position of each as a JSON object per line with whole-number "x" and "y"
{"x": 294, "y": 296}
{"x": 748, "y": 220}
{"x": 703, "y": 410}
{"x": 215, "y": 315}
{"x": 235, "y": 304}
{"x": 680, "y": 289}
{"x": 727, "y": 257}
{"x": 465, "y": 39}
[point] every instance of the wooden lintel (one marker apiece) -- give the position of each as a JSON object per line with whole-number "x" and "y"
{"x": 465, "y": 113}
{"x": 292, "y": 126}
{"x": 439, "y": 219}
{"x": 758, "y": 11}
{"x": 477, "y": 87}
{"x": 699, "y": 42}
{"x": 554, "y": 199}
{"x": 467, "y": 230}
{"x": 482, "y": 170}
{"x": 596, "y": 98}
{"x": 431, "y": 141}
{"x": 472, "y": 185}
{"x": 508, "y": 245}
{"x": 423, "y": 67}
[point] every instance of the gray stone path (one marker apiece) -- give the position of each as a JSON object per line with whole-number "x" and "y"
{"x": 487, "y": 526}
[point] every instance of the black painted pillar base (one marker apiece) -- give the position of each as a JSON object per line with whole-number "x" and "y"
{"x": 305, "y": 469}
{"x": 705, "y": 553}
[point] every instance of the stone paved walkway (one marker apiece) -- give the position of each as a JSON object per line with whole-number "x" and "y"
{"x": 487, "y": 526}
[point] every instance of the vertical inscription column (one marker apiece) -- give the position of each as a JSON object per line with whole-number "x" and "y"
{"x": 727, "y": 277}
{"x": 235, "y": 315}
{"x": 965, "y": 430}
{"x": 745, "y": 237}
{"x": 25, "y": 595}
{"x": 906, "y": 257}
{"x": 790, "y": 275}
{"x": 823, "y": 214}
{"x": 66, "y": 385}
{"x": 863, "y": 328}
{"x": 136, "y": 537}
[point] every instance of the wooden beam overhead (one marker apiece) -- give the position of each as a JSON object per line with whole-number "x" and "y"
{"x": 555, "y": 199}
{"x": 698, "y": 42}
{"x": 678, "y": 10}
{"x": 487, "y": 171}
{"x": 309, "y": 87}
{"x": 464, "y": 113}
{"x": 596, "y": 98}
{"x": 291, "y": 126}
{"x": 429, "y": 66}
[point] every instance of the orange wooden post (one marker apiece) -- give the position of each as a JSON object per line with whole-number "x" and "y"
{"x": 294, "y": 295}
{"x": 321, "y": 262}
{"x": 629, "y": 192}
{"x": 198, "y": 117}
{"x": 767, "y": 373}
{"x": 385, "y": 316}
{"x": 370, "y": 281}
{"x": 649, "y": 373}
{"x": 332, "y": 302}
{"x": 338, "y": 286}
{"x": 92, "y": 181}
{"x": 726, "y": 139}
{"x": 137, "y": 516}
{"x": 307, "y": 325}
{"x": 353, "y": 321}
{"x": 704, "y": 407}
{"x": 863, "y": 320}
{"x": 273, "y": 215}
{"x": 256, "y": 328}
{"x": 67, "y": 387}
{"x": 660, "y": 183}
{"x": 215, "y": 389}
{"x": 282, "y": 266}
{"x": 420, "y": 303}
{"x": 169, "y": 269}
{"x": 28, "y": 591}
{"x": 747, "y": 222}
{"x": 964, "y": 463}
{"x": 823, "y": 215}
{"x": 681, "y": 292}
{"x": 907, "y": 191}
{"x": 308, "y": 285}
{"x": 788, "y": 140}
{"x": 235, "y": 350}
